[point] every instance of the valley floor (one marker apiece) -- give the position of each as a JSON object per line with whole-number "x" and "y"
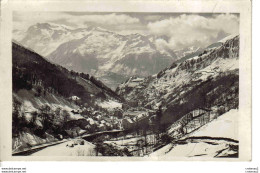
{"x": 218, "y": 138}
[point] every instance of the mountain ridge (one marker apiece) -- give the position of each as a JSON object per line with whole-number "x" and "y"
{"x": 100, "y": 52}
{"x": 190, "y": 84}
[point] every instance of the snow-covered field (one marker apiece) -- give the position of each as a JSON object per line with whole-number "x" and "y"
{"x": 198, "y": 148}
{"x": 207, "y": 143}
{"x": 224, "y": 126}
{"x": 66, "y": 149}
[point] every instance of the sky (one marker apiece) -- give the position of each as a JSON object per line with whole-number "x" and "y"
{"x": 173, "y": 30}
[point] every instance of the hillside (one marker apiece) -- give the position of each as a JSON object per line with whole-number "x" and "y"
{"x": 34, "y": 69}
{"x": 201, "y": 51}
{"x": 49, "y": 101}
{"x": 209, "y": 80}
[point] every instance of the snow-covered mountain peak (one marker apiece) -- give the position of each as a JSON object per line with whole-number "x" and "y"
{"x": 51, "y": 27}
{"x": 100, "y": 52}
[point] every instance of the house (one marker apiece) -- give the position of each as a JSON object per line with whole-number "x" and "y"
{"x": 142, "y": 120}
{"x": 102, "y": 122}
{"x": 132, "y": 114}
{"x": 91, "y": 121}
{"x": 88, "y": 127}
{"x": 99, "y": 117}
{"x": 74, "y": 98}
{"x": 102, "y": 127}
{"x": 141, "y": 116}
{"x": 128, "y": 123}
{"x": 118, "y": 124}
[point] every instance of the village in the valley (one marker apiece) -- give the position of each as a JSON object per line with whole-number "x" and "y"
{"x": 135, "y": 132}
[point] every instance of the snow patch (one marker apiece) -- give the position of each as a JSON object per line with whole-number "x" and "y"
{"x": 110, "y": 104}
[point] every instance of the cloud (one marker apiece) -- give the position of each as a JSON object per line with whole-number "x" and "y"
{"x": 186, "y": 30}
{"x": 25, "y": 19}
{"x": 172, "y": 30}
{"x": 111, "y": 19}
{"x": 153, "y": 17}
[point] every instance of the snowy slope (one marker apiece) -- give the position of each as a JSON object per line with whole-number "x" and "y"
{"x": 224, "y": 126}
{"x": 30, "y": 103}
{"x": 194, "y": 52}
{"x": 198, "y": 148}
{"x": 209, "y": 140}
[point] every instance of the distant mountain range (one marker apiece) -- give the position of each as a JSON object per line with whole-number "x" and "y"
{"x": 109, "y": 56}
